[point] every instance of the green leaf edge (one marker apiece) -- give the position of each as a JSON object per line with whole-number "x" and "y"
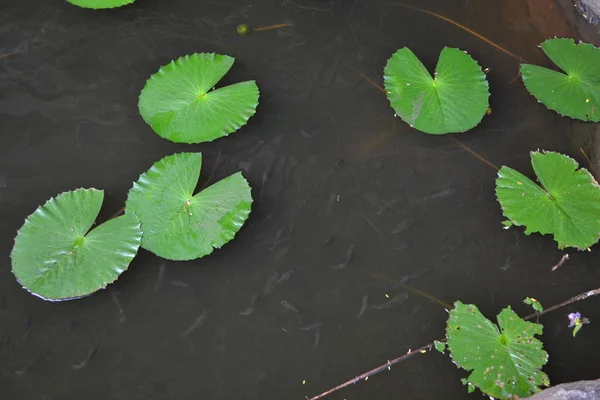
{"x": 135, "y": 183}
{"x": 429, "y": 73}
{"x": 465, "y": 381}
{"x": 527, "y": 231}
{"x": 524, "y": 79}
{"x": 168, "y": 68}
{"x": 52, "y": 200}
{"x": 124, "y": 3}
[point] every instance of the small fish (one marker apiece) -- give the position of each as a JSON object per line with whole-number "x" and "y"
{"x": 43, "y": 357}
{"x": 285, "y": 277}
{"x": 115, "y": 299}
{"x": 28, "y": 323}
{"x": 439, "y": 195}
{"x": 397, "y": 299}
{"x": 364, "y": 306}
{"x": 403, "y": 245}
{"x": 312, "y": 327}
{"x": 402, "y": 226}
{"x": 271, "y": 282}
{"x": 6, "y": 341}
{"x": 277, "y": 240}
{"x": 317, "y": 338}
{"x": 198, "y": 322}
{"x": 247, "y": 312}
{"x": 265, "y": 179}
{"x": 349, "y": 257}
{"x": 88, "y": 359}
{"x": 327, "y": 240}
{"x": 159, "y": 277}
{"x": 180, "y": 284}
{"x": 287, "y": 305}
{"x": 250, "y": 309}
{"x": 386, "y": 205}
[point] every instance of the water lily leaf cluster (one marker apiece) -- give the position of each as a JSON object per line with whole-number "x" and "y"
{"x": 566, "y": 204}
{"x": 504, "y": 360}
{"x": 454, "y": 100}
{"x": 58, "y": 256}
{"x": 575, "y": 92}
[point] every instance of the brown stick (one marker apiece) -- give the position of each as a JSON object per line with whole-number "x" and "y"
{"x": 561, "y": 262}
{"x": 374, "y": 371}
{"x": 426, "y": 348}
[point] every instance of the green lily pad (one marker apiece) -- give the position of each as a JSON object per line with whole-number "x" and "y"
{"x": 179, "y": 225}
{"x": 100, "y": 4}
{"x": 57, "y": 257}
{"x": 574, "y": 93}
{"x": 454, "y": 100}
{"x": 503, "y": 362}
{"x": 566, "y": 205}
{"x": 178, "y": 103}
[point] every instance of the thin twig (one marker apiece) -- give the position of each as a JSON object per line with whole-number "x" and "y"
{"x": 10, "y": 54}
{"x": 561, "y": 262}
{"x": 374, "y": 371}
{"x": 472, "y": 32}
{"x": 592, "y": 168}
{"x": 426, "y": 348}
{"x": 115, "y": 215}
{"x": 473, "y": 152}
{"x": 271, "y": 27}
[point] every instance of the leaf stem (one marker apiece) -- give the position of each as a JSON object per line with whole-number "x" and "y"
{"x": 428, "y": 347}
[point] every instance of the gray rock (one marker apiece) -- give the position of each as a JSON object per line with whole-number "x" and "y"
{"x": 590, "y": 10}
{"x": 582, "y": 390}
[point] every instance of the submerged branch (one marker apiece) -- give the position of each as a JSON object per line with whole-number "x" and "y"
{"x": 428, "y": 347}
{"x": 472, "y": 32}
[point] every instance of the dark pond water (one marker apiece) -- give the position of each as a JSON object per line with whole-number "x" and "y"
{"x": 325, "y": 158}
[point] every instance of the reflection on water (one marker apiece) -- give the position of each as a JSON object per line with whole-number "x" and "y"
{"x": 362, "y": 232}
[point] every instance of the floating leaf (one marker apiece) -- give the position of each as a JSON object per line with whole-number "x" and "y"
{"x": 179, "y": 225}
{"x": 567, "y": 205}
{"x": 100, "y": 4}
{"x": 504, "y": 363}
{"x": 439, "y": 346}
{"x": 574, "y": 93}
{"x": 56, "y": 258}
{"x": 536, "y": 305}
{"x": 454, "y": 101}
{"x": 178, "y": 103}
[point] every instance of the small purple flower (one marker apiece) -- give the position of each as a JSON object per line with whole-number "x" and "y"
{"x": 574, "y": 319}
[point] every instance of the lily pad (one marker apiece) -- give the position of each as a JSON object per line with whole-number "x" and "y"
{"x": 454, "y": 100}
{"x": 574, "y": 93}
{"x": 504, "y": 360}
{"x": 57, "y": 257}
{"x": 179, "y": 105}
{"x": 566, "y": 205}
{"x": 100, "y": 4}
{"x": 179, "y": 225}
